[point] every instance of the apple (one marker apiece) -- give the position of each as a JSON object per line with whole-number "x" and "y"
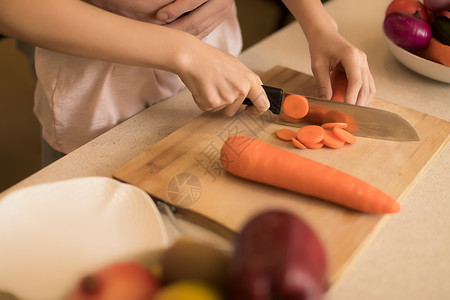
{"x": 278, "y": 256}
{"x": 118, "y": 281}
{"x": 410, "y": 7}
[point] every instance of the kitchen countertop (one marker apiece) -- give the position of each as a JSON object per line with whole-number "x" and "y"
{"x": 408, "y": 258}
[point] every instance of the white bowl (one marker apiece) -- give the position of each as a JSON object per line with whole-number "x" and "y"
{"x": 420, "y": 65}
{"x": 53, "y": 234}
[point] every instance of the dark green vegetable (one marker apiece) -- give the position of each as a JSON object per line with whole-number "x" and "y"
{"x": 441, "y": 30}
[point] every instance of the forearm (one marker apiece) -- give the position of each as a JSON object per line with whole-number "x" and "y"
{"x": 312, "y": 16}
{"x": 77, "y": 28}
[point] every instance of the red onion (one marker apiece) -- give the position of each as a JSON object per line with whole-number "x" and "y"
{"x": 407, "y": 30}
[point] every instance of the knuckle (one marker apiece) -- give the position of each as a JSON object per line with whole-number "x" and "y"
{"x": 241, "y": 93}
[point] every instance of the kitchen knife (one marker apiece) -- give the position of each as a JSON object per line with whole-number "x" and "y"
{"x": 362, "y": 121}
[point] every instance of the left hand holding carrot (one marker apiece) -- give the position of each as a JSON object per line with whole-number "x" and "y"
{"x": 328, "y": 50}
{"x": 344, "y": 57}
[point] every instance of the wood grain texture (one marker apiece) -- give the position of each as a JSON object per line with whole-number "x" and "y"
{"x": 184, "y": 170}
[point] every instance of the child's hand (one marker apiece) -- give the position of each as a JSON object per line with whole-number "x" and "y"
{"x": 197, "y": 17}
{"x": 219, "y": 81}
{"x": 332, "y": 50}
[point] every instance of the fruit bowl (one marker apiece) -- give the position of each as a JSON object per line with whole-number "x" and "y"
{"x": 52, "y": 234}
{"x": 418, "y": 64}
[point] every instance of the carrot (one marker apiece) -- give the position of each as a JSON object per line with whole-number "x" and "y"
{"x": 341, "y": 117}
{"x": 316, "y": 113}
{"x": 255, "y": 160}
{"x": 332, "y": 125}
{"x": 310, "y": 134}
{"x": 436, "y": 51}
{"x": 314, "y": 145}
{"x": 295, "y": 106}
{"x": 286, "y": 134}
{"x": 297, "y": 143}
{"x": 331, "y": 140}
{"x": 288, "y": 119}
{"x": 344, "y": 135}
{"x": 338, "y": 85}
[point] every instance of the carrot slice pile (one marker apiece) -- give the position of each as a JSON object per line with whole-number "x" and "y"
{"x": 286, "y": 134}
{"x": 310, "y": 134}
{"x": 297, "y": 143}
{"x": 314, "y": 145}
{"x": 344, "y": 135}
{"x": 331, "y": 140}
{"x": 332, "y": 135}
{"x": 295, "y": 106}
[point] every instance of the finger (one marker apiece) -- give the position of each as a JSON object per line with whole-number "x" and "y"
{"x": 231, "y": 109}
{"x": 177, "y": 8}
{"x": 365, "y": 89}
{"x": 368, "y": 90}
{"x": 354, "y": 77}
{"x": 322, "y": 75}
{"x": 259, "y": 99}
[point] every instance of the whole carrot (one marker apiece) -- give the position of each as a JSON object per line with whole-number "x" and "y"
{"x": 254, "y": 160}
{"x": 338, "y": 85}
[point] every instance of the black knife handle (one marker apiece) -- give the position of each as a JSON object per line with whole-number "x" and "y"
{"x": 275, "y": 96}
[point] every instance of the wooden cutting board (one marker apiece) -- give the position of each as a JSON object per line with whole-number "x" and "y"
{"x": 183, "y": 169}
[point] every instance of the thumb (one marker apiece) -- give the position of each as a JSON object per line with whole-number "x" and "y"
{"x": 259, "y": 99}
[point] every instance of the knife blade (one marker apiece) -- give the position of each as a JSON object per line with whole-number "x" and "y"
{"x": 365, "y": 121}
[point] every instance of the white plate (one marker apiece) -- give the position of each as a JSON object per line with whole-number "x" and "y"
{"x": 420, "y": 65}
{"x": 52, "y": 234}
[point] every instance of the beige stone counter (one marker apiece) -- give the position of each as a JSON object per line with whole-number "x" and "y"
{"x": 409, "y": 258}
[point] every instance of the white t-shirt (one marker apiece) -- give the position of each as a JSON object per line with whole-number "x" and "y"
{"x": 77, "y": 99}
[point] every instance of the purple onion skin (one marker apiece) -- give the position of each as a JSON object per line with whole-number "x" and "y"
{"x": 407, "y": 31}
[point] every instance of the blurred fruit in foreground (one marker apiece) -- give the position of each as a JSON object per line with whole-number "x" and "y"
{"x": 121, "y": 281}
{"x": 188, "y": 290}
{"x": 190, "y": 260}
{"x": 278, "y": 256}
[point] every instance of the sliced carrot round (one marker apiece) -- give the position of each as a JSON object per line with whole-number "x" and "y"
{"x": 295, "y": 106}
{"x": 298, "y": 144}
{"x": 341, "y": 117}
{"x": 332, "y": 125}
{"x": 288, "y": 119}
{"x": 310, "y": 134}
{"x": 344, "y": 135}
{"x": 331, "y": 140}
{"x": 286, "y": 134}
{"x": 316, "y": 113}
{"x": 314, "y": 145}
